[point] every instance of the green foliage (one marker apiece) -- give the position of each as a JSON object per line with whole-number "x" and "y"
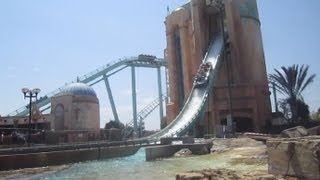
{"x": 127, "y": 131}
{"x": 291, "y": 82}
{"x": 285, "y": 109}
{"x": 303, "y": 112}
{"x": 114, "y": 124}
{"x": 315, "y": 116}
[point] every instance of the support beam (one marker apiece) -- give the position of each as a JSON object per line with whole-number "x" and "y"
{"x": 134, "y": 101}
{"x": 160, "y": 96}
{"x": 114, "y": 72}
{"x": 113, "y": 107}
{"x": 108, "y": 75}
{"x": 45, "y": 108}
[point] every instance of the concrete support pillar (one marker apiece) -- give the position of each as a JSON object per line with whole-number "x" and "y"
{"x": 134, "y": 100}
{"x": 160, "y": 96}
{"x": 113, "y": 106}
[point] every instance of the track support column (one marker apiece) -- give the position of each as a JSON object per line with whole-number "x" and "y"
{"x": 113, "y": 107}
{"x": 134, "y": 101}
{"x": 160, "y": 96}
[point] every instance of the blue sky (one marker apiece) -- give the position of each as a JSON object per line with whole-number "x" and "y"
{"x": 290, "y": 30}
{"x": 48, "y": 43}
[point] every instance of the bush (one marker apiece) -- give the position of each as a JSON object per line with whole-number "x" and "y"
{"x": 114, "y": 124}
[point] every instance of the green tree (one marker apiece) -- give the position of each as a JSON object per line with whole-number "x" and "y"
{"x": 291, "y": 82}
{"x": 113, "y": 124}
{"x": 303, "y": 113}
{"x": 316, "y": 115}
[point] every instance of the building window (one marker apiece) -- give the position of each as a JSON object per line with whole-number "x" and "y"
{"x": 179, "y": 68}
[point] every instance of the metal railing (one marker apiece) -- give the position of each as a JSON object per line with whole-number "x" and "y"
{"x": 148, "y": 109}
{"x": 143, "y": 114}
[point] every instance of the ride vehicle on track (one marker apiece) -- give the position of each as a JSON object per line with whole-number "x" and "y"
{"x": 203, "y": 73}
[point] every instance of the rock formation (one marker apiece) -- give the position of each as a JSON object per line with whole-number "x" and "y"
{"x": 183, "y": 152}
{"x": 298, "y": 157}
{"x": 298, "y": 131}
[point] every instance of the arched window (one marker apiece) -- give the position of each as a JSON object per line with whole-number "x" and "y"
{"x": 59, "y": 117}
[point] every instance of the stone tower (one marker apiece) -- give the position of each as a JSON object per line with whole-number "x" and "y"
{"x": 241, "y": 88}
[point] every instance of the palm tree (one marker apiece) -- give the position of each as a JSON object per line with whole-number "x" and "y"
{"x": 291, "y": 82}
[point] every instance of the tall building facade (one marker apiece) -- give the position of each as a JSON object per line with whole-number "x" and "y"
{"x": 241, "y": 88}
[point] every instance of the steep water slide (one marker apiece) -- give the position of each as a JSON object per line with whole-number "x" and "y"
{"x": 195, "y": 104}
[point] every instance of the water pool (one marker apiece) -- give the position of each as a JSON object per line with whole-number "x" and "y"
{"x": 135, "y": 167}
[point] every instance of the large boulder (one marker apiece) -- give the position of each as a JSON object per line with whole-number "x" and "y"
{"x": 183, "y": 152}
{"x": 298, "y": 131}
{"x": 219, "y": 148}
{"x": 221, "y": 145}
{"x": 314, "y": 131}
{"x": 298, "y": 157}
{"x": 207, "y": 174}
{"x": 190, "y": 176}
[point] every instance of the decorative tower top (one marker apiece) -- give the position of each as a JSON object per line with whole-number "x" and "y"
{"x": 248, "y": 9}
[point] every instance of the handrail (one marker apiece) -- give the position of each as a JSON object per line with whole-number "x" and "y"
{"x": 155, "y": 103}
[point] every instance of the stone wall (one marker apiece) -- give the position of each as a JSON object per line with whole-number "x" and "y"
{"x": 298, "y": 157}
{"x": 40, "y": 159}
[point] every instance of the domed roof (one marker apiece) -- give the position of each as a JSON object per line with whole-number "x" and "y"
{"x": 78, "y": 89}
{"x": 186, "y": 6}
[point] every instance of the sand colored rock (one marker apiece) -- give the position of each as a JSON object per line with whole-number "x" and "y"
{"x": 189, "y": 176}
{"x": 221, "y": 145}
{"x": 224, "y": 174}
{"x": 240, "y": 151}
{"x": 298, "y": 131}
{"x": 208, "y": 174}
{"x": 298, "y": 157}
{"x": 314, "y": 131}
{"x": 183, "y": 152}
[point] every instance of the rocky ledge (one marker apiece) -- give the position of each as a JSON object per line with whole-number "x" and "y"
{"x": 217, "y": 174}
{"x": 298, "y": 156}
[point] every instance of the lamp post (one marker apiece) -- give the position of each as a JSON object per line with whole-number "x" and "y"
{"x": 30, "y": 93}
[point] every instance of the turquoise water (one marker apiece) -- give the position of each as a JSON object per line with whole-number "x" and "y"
{"x": 135, "y": 167}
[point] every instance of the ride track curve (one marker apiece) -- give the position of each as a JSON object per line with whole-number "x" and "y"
{"x": 195, "y": 104}
{"x": 193, "y": 107}
{"x": 95, "y": 77}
